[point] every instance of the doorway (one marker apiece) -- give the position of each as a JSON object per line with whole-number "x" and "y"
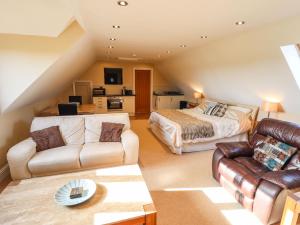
{"x": 84, "y": 89}
{"x": 142, "y": 91}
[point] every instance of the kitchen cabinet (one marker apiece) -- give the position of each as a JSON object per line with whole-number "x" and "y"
{"x": 167, "y": 101}
{"x": 101, "y": 104}
{"x": 129, "y": 104}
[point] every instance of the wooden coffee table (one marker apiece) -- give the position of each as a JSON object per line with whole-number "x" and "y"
{"x": 121, "y": 198}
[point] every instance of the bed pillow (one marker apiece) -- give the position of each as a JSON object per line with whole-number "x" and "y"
{"x": 241, "y": 109}
{"x": 215, "y": 109}
{"x": 273, "y": 153}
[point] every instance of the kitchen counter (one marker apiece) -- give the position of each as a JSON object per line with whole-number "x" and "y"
{"x": 113, "y": 95}
{"x": 168, "y": 94}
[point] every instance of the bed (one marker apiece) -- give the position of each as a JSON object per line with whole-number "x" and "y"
{"x": 234, "y": 125}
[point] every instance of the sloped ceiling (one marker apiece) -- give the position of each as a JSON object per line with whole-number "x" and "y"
{"x": 149, "y": 28}
{"x": 246, "y": 68}
{"x": 36, "y": 68}
{"x": 35, "y": 17}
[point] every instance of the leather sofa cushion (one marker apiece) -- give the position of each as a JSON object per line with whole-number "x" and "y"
{"x": 252, "y": 165}
{"x": 244, "y": 179}
{"x": 283, "y": 131}
{"x": 235, "y": 149}
{"x": 93, "y": 124}
{"x": 54, "y": 160}
{"x": 288, "y": 179}
{"x": 101, "y": 153}
{"x": 71, "y": 127}
{"x": 294, "y": 163}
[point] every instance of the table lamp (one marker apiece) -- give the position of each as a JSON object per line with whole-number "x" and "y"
{"x": 270, "y": 107}
{"x": 198, "y": 95}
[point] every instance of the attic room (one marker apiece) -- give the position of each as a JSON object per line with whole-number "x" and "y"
{"x": 149, "y": 112}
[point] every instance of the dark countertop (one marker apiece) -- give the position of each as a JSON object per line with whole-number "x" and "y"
{"x": 113, "y": 95}
{"x": 168, "y": 94}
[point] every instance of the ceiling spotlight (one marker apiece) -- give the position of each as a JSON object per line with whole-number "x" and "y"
{"x": 122, "y": 3}
{"x": 116, "y": 26}
{"x": 110, "y": 46}
{"x": 182, "y": 46}
{"x": 133, "y": 55}
{"x": 113, "y": 39}
{"x": 240, "y": 23}
{"x": 168, "y": 52}
{"x": 203, "y": 37}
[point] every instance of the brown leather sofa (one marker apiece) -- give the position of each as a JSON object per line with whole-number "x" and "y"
{"x": 252, "y": 184}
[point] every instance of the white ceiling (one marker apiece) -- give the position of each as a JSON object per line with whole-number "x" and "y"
{"x": 35, "y": 17}
{"x": 151, "y": 27}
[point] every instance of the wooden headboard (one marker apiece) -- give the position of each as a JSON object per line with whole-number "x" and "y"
{"x": 254, "y": 110}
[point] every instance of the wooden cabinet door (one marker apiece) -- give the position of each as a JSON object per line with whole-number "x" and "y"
{"x": 142, "y": 91}
{"x": 164, "y": 102}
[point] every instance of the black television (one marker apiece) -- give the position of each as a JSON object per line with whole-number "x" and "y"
{"x": 113, "y": 75}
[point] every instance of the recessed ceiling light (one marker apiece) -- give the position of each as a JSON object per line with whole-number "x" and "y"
{"x": 182, "y": 46}
{"x": 133, "y": 55}
{"x": 110, "y": 46}
{"x": 168, "y": 52}
{"x": 238, "y": 23}
{"x": 116, "y": 26}
{"x": 122, "y": 3}
{"x": 203, "y": 37}
{"x": 113, "y": 39}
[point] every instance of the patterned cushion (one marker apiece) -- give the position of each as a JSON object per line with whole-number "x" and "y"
{"x": 273, "y": 153}
{"x": 215, "y": 109}
{"x": 111, "y": 132}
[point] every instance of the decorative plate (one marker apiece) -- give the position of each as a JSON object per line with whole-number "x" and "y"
{"x": 62, "y": 196}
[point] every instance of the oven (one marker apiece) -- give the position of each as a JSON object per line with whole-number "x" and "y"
{"x": 114, "y": 103}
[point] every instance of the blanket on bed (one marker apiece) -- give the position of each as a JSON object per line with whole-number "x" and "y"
{"x": 191, "y": 128}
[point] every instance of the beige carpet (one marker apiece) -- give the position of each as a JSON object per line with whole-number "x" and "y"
{"x": 182, "y": 186}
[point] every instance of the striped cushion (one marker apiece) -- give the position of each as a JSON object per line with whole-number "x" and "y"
{"x": 272, "y": 153}
{"x": 215, "y": 109}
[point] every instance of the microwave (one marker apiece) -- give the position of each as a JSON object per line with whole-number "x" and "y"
{"x": 99, "y": 91}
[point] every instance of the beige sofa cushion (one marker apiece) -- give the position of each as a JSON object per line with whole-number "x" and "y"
{"x": 93, "y": 124}
{"x": 101, "y": 153}
{"x": 55, "y": 160}
{"x": 71, "y": 127}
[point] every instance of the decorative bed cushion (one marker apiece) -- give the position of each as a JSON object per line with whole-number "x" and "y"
{"x": 273, "y": 153}
{"x": 241, "y": 109}
{"x": 47, "y": 138}
{"x": 111, "y": 132}
{"x": 215, "y": 109}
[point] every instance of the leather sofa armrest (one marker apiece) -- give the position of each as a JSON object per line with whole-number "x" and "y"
{"x": 235, "y": 149}
{"x": 18, "y": 157}
{"x": 130, "y": 142}
{"x": 287, "y": 179}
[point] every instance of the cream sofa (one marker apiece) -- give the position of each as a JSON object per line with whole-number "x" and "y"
{"x": 82, "y": 150}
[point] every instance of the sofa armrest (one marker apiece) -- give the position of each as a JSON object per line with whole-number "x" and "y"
{"x": 130, "y": 142}
{"x": 235, "y": 149}
{"x": 18, "y": 157}
{"x": 287, "y": 179}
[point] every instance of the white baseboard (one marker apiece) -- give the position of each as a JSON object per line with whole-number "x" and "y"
{"x": 4, "y": 172}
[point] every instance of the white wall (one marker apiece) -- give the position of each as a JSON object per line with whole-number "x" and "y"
{"x": 96, "y": 74}
{"x": 245, "y": 68}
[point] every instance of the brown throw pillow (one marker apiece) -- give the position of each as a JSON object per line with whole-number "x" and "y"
{"x": 47, "y": 138}
{"x": 111, "y": 132}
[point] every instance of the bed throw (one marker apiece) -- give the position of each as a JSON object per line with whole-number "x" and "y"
{"x": 191, "y": 128}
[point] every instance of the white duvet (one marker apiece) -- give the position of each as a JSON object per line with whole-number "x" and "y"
{"x": 232, "y": 123}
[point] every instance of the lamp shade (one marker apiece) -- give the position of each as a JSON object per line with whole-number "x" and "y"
{"x": 270, "y": 106}
{"x": 197, "y": 95}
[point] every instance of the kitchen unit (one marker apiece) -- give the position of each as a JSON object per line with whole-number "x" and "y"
{"x": 167, "y": 101}
{"x": 115, "y": 103}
